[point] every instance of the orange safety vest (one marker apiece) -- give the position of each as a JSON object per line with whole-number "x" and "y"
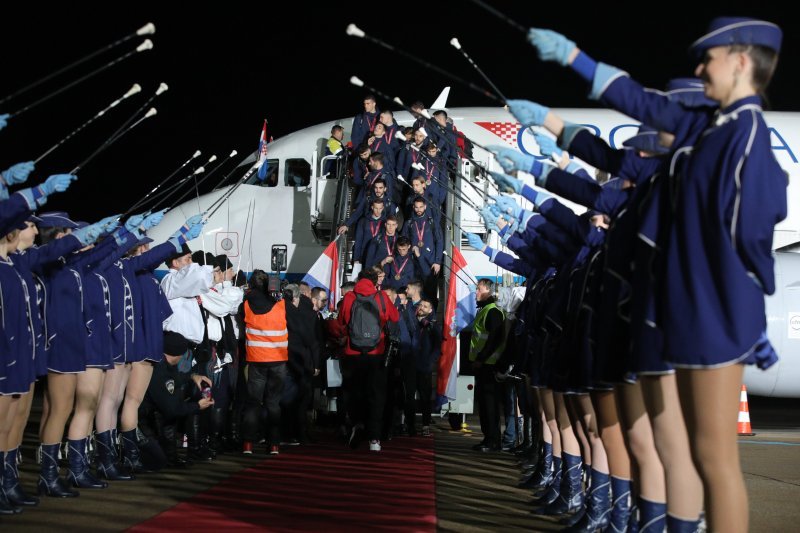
{"x": 267, "y": 336}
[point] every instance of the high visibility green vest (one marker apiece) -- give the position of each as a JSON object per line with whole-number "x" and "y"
{"x": 480, "y": 336}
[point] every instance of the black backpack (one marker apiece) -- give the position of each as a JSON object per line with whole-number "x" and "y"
{"x": 365, "y": 322}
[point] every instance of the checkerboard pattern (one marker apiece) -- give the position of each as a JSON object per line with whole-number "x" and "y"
{"x": 507, "y": 131}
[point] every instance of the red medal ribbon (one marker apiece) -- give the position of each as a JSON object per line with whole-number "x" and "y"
{"x": 399, "y": 271}
{"x": 374, "y": 229}
{"x": 420, "y": 234}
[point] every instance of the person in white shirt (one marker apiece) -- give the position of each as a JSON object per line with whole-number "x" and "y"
{"x": 221, "y": 304}
{"x": 184, "y": 286}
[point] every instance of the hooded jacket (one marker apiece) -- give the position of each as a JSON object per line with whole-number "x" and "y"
{"x": 388, "y": 313}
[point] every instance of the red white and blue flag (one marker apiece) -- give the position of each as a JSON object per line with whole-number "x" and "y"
{"x": 262, "y": 153}
{"x": 460, "y": 312}
{"x": 324, "y": 273}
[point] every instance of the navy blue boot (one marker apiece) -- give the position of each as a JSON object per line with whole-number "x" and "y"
{"x": 621, "y": 506}
{"x": 679, "y": 525}
{"x": 598, "y": 506}
{"x": 543, "y": 474}
{"x": 49, "y": 481}
{"x": 553, "y": 488}
{"x": 13, "y": 490}
{"x": 107, "y": 458}
{"x": 131, "y": 460}
{"x": 6, "y": 507}
{"x": 79, "y": 473}
{"x": 570, "y": 499}
{"x": 652, "y": 516}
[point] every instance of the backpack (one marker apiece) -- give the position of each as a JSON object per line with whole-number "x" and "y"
{"x": 365, "y": 323}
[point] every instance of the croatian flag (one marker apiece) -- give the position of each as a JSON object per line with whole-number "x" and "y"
{"x": 262, "y": 153}
{"x": 325, "y": 273}
{"x": 459, "y": 313}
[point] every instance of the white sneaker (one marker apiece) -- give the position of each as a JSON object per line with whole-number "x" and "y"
{"x": 374, "y": 445}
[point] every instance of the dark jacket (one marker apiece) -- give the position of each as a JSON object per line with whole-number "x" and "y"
{"x": 427, "y": 343}
{"x": 165, "y": 393}
{"x": 303, "y": 349}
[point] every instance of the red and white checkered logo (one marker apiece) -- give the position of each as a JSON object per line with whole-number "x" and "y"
{"x": 507, "y": 131}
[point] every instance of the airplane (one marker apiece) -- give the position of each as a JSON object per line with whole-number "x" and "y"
{"x": 283, "y": 223}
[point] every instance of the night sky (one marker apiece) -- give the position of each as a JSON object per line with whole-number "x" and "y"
{"x": 229, "y": 65}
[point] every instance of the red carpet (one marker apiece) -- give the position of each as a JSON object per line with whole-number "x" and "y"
{"x": 326, "y": 487}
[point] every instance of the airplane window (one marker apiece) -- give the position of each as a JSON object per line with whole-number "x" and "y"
{"x": 298, "y": 173}
{"x": 271, "y": 179}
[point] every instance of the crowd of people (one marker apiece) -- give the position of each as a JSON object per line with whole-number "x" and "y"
{"x": 626, "y": 353}
{"x": 133, "y": 367}
{"x": 640, "y": 314}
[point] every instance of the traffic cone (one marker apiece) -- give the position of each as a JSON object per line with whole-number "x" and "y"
{"x": 744, "y": 415}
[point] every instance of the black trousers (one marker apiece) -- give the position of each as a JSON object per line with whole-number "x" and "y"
{"x": 364, "y": 378}
{"x": 296, "y": 401}
{"x": 489, "y": 396}
{"x": 158, "y": 445}
{"x": 264, "y": 387}
{"x": 421, "y": 383}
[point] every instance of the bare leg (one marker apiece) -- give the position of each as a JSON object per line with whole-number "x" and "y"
{"x": 569, "y": 442}
{"x": 87, "y": 396}
{"x": 21, "y": 419}
{"x": 578, "y": 427}
{"x": 684, "y": 488}
{"x": 61, "y": 396}
{"x": 548, "y": 404}
{"x": 111, "y": 397}
{"x": 45, "y": 412}
{"x": 585, "y": 410}
{"x": 134, "y": 394}
{"x": 619, "y": 463}
{"x": 639, "y": 433}
{"x": 710, "y": 402}
{"x": 8, "y": 410}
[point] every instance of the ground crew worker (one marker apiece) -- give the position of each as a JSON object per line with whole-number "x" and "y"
{"x": 486, "y": 345}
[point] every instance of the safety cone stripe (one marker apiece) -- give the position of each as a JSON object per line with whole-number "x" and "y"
{"x": 743, "y": 426}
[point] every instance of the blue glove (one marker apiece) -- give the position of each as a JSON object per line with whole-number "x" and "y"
{"x": 4, "y": 120}
{"x": 547, "y": 145}
{"x": 133, "y": 222}
{"x": 194, "y": 232}
{"x": 551, "y": 46}
{"x": 110, "y": 223}
{"x": 195, "y": 219}
{"x": 508, "y": 205}
{"x": 153, "y": 220}
{"x": 489, "y": 219}
{"x": 511, "y": 159}
{"x": 17, "y": 173}
{"x": 90, "y": 233}
{"x": 56, "y": 183}
{"x": 528, "y": 113}
{"x": 506, "y": 183}
{"x": 475, "y": 241}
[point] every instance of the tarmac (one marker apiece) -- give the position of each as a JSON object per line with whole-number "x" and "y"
{"x": 475, "y": 492}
